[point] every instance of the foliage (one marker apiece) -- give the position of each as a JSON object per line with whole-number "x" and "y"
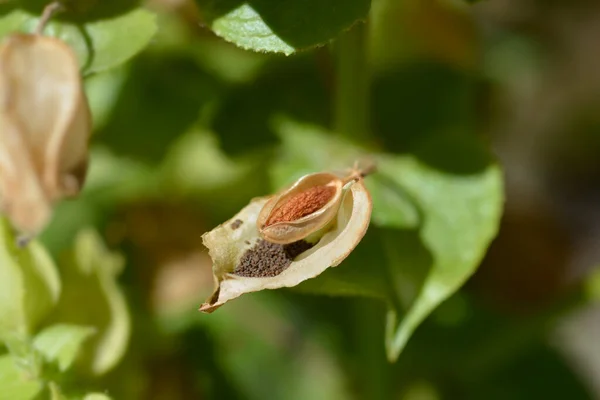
{"x": 286, "y": 27}
{"x": 192, "y": 123}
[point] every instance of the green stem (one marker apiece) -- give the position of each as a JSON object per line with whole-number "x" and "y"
{"x": 352, "y": 83}
{"x": 352, "y": 121}
{"x": 374, "y": 371}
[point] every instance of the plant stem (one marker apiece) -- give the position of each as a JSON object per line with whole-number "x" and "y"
{"x": 374, "y": 371}
{"x": 352, "y": 84}
{"x": 49, "y": 11}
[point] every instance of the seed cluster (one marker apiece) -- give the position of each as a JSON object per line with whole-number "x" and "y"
{"x": 302, "y": 204}
{"x": 268, "y": 259}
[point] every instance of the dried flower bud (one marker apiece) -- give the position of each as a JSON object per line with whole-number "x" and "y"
{"x": 307, "y": 206}
{"x": 45, "y": 125}
{"x": 244, "y": 262}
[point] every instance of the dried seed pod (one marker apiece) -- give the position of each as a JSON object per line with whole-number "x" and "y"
{"x": 45, "y": 125}
{"x": 244, "y": 262}
{"x": 304, "y": 208}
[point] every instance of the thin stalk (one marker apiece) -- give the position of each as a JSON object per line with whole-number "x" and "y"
{"x": 351, "y": 120}
{"x": 352, "y": 84}
{"x": 49, "y": 11}
{"x": 374, "y": 371}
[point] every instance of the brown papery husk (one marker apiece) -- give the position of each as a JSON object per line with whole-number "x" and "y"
{"x": 227, "y": 246}
{"x": 291, "y": 231}
{"x": 45, "y": 126}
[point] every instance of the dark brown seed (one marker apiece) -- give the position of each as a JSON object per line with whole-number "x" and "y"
{"x": 268, "y": 259}
{"x": 302, "y": 204}
{"x": 236, "y": 224}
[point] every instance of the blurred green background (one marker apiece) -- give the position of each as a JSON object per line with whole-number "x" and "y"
{"x": 193, "y": 127}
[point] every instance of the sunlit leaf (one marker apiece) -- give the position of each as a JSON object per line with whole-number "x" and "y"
{"x": 96, "y": 396}
{"x": 29, "y": 284}
{"x": 102, "y": 91}
{"x": 55, "y": 392}
{"x": 99, "y": 44}
{"x": 15, "y": 383}
{"x": 443, "y": 218}
{"x": 62, "y": 343}
{"x": 461, "y": 213}
{"x": 284, "y": 26}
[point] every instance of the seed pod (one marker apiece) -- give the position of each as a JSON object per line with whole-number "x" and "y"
{"x": 304, "y": 208}
{"x": 244, "y": 262}
{"x": 45, "y": 125}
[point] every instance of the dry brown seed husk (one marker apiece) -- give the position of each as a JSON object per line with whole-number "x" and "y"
{"x": 286, "y": 231}
{"x": 45, "y": 126}
{"x": 227, "y": 247}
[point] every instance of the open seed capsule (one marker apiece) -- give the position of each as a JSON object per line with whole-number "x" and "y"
{"x": 237, "y": 246}
{"x": 304, "y": 208}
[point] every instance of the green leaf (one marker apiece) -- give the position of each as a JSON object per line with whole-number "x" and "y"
{"x": 29, "y": 285}
{"x": 292, "y": 87}
{"x": 284, "y": 26}
{"x": 100, "y": 44}
{"x": 14, "y": 383}
{"x": 440, "y": 208}
{"x": 25, "y": 357}
{"x": 89, "y": 275}
{"x": 102, "y": 91}
{"x": 62, "y": 343}
{"x": 151, "y": 88}
{"x": 461, "y": 214}
{"x": 96, "y": 396}
{"x": 55, "y": 392}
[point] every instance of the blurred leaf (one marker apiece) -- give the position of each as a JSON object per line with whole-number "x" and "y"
{"x": 90, "y": 273}
{"x": 62, "y": 343}
{"x": 195, "y": 162}
{"x": 423, "y": 30}
{"x": 28, "y": 360}
{"x": 167, "y": 94}
{"x": 450, "y": 213}
{"x": 29, "y": 285}
{"x": 96, "y": 396}
{"x": 197, "y": 167}
{"x": 55, "y": 392}
{"x": 419, "y": 99}
{"x": 394, "y": 206}
{"x": 536, "y": 372}
{"x": 285, "y": 26}
{"x": 291, "y": 86}
{"x": 99, "y": 44}
{"x": 350, "y": 278}
{"x": 226, "y": 61}
{"x": 280, "y": 347}
{"x": 15, "y": 384}
{"x": 111, "y": 180}
{"x": 102, "y": 91}
{"x": 592, "y": 285}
